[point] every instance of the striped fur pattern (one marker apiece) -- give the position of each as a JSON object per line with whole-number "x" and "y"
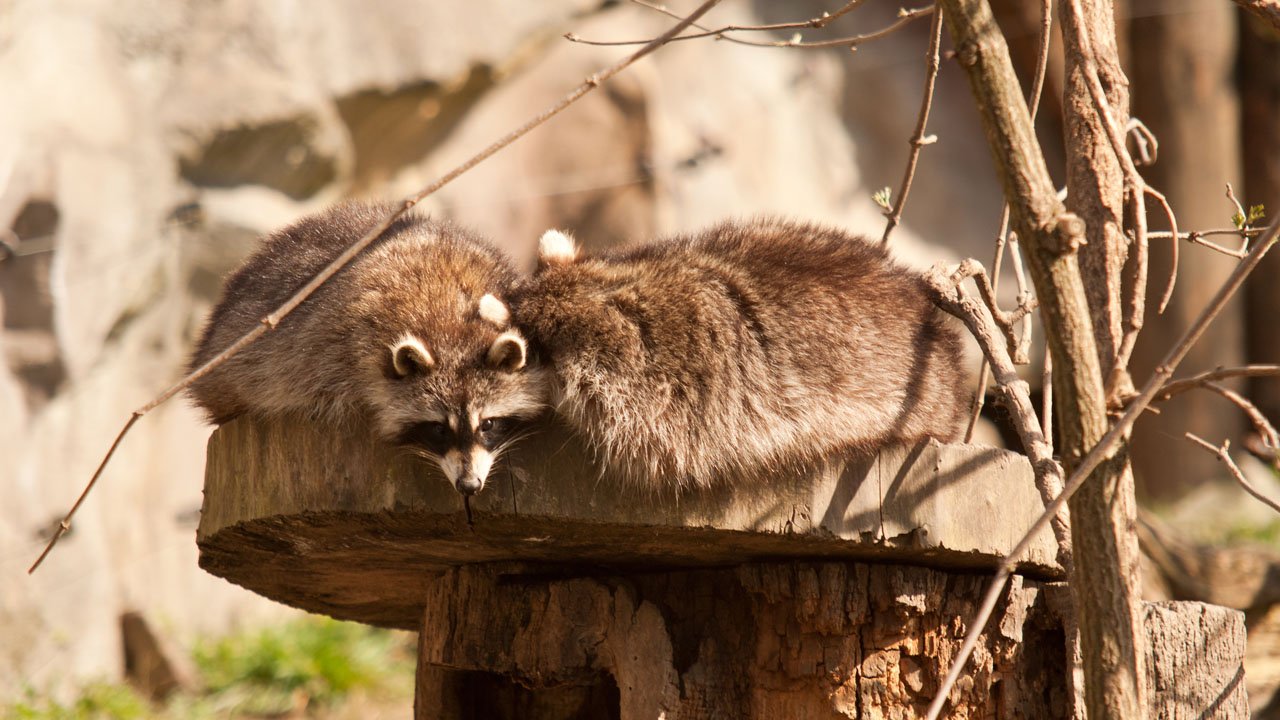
{"x": 742, "y": 350}
{"x": 413, "y": 336}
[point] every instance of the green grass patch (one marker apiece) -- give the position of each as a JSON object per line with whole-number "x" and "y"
{"x": 316, "y": 663}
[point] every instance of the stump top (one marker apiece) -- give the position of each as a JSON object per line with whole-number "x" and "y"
{"x": 340, "y": 524}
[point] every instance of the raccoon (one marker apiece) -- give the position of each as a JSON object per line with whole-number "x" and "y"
{"x": 742, "y": 350}
{"x": 414, "y": 336}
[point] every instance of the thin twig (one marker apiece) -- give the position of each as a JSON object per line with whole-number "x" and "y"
{"x": 918, "y": 138}
{"x": 818, "y": 22}
{"x": 1242, "y": 233}
{"x": 1018, "y": 347}
{"x": 1022, "y": 354}
{"x": 1224, "y": 455}
{"x": 1181, "y": 385}
{"x": 1231, "y": 195}
{"x": 271, "y": 321}
{"x": 1167, "y": 295}
{"x": 904, "y": 17}
{"x": 1267, "y": 431}
{"x": 1002, "y": 237}
{"x": 1101, "y": 452}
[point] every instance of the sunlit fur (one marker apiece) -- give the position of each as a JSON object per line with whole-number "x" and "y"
{"x": 333, "y": 358}
{"x": 742, "y": 350}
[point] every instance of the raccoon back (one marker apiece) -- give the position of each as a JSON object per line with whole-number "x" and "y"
{"x": 744, "y": 349}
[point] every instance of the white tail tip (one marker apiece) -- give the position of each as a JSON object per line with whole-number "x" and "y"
{"x": 492, "y": 310}
{"x": 556, "y": 247}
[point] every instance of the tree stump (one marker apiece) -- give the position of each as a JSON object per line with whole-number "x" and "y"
{"x": 841, "y": 591}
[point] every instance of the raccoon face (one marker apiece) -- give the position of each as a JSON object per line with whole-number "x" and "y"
{"x": 464, "y": 452}
{"x": 464, "y": 401}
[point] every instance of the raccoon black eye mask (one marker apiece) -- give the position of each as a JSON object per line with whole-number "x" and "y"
{"x": 741, "y": 350}
{"x": 415, "y": 332}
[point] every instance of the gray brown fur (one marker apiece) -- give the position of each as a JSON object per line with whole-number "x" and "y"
{"x": 745, "y": 349}
{"x": 331, "y": 359}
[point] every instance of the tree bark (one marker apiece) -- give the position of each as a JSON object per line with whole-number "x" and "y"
{"x": 1184, "y": 90}
{"x": 759, "y": 641}
{"x": 1108, "y": 605}
{"x": 1095, "y": 192}
{"x": 1260, "y": 140}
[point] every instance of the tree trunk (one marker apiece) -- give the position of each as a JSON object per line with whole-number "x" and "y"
{"x": 1260, "y": 131}
{"x": 1106, "y": 560}
{"x": 1183, "y": 60}
{"x": 759, "y": 641}
{"x": 1102, "y": 578}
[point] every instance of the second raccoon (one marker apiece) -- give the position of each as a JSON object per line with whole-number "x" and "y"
{"x": 412, "y": 337}
{"x": 740, "y": 350}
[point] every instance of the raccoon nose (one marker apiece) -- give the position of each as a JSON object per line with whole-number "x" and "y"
{"x": 469, "y": 484}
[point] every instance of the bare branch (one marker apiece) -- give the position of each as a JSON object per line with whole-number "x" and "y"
{"x": 272, "y": 320}
{"x": 904, "y": 17}
{"x": 1017, "y": 347}
{"x": 1267, "y": 431}
{"x": 918, "y": 139}
{"x": 1225, "y": 456}
{"x": 818, "y": 22}
{"x": 1181, "y": 385}
{"x": 949, "y": 294}
{"x": 1101, "y": 451}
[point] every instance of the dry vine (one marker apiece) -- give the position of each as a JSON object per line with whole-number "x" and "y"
{"x": 271, "y": 321}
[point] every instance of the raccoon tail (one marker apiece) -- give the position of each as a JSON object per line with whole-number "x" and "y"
{"x": 556, "y": 248}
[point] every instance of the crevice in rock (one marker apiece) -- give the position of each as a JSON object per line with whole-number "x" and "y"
{"x": 286, "y": 155}
{"x": 393, "y": 129}
{"x": 31, "y": 346}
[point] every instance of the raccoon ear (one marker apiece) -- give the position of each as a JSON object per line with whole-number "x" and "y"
{"x": 556, "y": 248}
{"x": 508, "y": 352}
{"x": 410, "y": 357}
{"x": 492, "y": 310}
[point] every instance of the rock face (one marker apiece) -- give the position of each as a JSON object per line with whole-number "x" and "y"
{"x": 152, "y": 141}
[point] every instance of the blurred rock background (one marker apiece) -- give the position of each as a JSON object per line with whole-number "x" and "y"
{"x": 145, "y": 144}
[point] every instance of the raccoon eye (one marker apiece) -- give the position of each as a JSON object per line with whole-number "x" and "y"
{"x": 494, "y": 425}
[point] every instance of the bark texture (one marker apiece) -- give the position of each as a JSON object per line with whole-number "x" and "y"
{"x": 760, "y": 641}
